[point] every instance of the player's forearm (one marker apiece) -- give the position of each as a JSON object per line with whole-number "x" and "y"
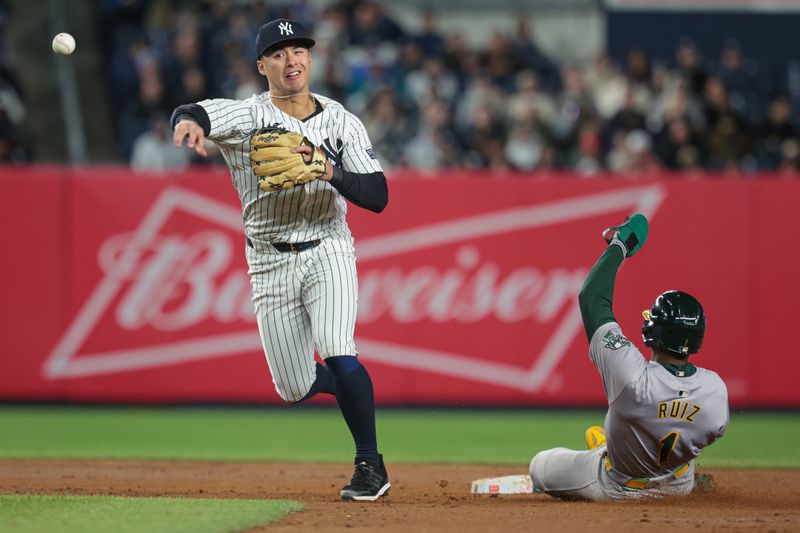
{"x": 193, "y": 112}
{"x": 364, "y": 190}
{"x": 222, "y": 119}
{"x": 597, "y": 293}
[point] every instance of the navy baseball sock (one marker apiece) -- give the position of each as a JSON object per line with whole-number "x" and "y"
{"x": 356, "y": 400}
{"x": 322, "y": 383}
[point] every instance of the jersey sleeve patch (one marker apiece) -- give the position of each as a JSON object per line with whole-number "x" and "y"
{"x": 614, "y": 340}
{"x": 371, "y": 153}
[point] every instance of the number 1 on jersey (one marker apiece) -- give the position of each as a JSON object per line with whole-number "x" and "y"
{"x": 665, "y": 446}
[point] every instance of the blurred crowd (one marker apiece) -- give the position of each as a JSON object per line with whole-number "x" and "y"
{"x": 13, "y": 148}
{"x": 430, "y": 101}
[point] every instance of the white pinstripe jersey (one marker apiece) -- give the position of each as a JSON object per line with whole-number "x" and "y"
{"x": 306, "y": 212}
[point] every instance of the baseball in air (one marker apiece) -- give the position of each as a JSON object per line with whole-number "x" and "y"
{"x": 63, "y": 44}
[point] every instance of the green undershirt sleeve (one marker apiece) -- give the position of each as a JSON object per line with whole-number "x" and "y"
{"x": 597, "y": 293}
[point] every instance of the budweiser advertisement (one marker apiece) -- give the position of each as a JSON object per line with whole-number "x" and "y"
{"x": 130, "y": 288}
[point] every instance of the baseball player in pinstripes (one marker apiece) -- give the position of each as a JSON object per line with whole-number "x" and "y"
{"x": 661, "y": 413}
{"x": 298, "y": 244}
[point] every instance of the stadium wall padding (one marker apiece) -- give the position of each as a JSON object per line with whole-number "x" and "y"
{"x": 120, "y": 287}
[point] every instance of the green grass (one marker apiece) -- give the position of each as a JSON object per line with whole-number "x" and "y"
{"x": 300, "y": 434}
{"x": 757, "y": 440}
{"x": 296, "y": 434}
{"x": 90, "y": 514}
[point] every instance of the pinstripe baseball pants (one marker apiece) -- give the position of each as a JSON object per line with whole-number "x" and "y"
{"x": 302, "y": 301}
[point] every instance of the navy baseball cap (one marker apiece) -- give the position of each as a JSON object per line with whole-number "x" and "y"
{"x": 281, "y": 31}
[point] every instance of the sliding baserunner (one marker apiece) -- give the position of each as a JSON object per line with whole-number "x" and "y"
{"x": 661, "y": 413}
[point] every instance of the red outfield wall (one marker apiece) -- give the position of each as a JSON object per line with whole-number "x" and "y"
{"x": 128, "y": 288}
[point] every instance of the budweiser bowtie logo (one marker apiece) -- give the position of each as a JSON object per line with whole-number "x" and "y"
{"x": 188, "y": 295}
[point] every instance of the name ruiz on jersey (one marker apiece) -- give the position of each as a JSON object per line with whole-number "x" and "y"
{"x": 678, "y": 409}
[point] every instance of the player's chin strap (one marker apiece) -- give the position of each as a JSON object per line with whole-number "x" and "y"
{"x": 291, "y": 95}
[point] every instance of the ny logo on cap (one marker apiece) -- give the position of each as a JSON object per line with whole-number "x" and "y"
{"x": 286, "y": 28}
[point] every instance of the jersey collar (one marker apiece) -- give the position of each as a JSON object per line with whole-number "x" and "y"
{"x": 318, "y": 108}
{"x": 680, "y": 371}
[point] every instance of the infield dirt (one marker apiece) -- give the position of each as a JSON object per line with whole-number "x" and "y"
{"x": 423, "y": 497}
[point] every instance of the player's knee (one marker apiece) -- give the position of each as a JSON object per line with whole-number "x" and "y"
{"x": 534, "y": 470}
{"x": 538, "y": 469}
{"x": 291, "y": 392}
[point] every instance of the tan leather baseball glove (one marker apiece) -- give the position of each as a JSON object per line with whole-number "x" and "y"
{"x": 275, "y": 163}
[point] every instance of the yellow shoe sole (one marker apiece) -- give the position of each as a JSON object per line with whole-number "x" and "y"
{"x": 595, "y": 437}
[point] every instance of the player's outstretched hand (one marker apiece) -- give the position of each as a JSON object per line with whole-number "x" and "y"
{"x": 193, "y": 133}
{"x": 630, "y": 235}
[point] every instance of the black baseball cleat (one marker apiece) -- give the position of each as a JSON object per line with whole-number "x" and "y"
{"x": 368, "y": 483}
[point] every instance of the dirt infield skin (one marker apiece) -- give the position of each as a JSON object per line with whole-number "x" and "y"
{"x": 423, "y": 497}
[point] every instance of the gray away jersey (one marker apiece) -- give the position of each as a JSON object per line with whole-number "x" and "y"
{"x": 656, "y": 421}
{"x": 306, "y": 212}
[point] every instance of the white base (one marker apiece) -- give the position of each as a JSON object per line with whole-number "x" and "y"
{"x": 519, "y": 484}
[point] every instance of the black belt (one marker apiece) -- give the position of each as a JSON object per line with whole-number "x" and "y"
{"x": 286, "y": 247}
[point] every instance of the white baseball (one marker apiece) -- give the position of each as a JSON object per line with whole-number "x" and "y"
{"x": 64, "y": 44}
